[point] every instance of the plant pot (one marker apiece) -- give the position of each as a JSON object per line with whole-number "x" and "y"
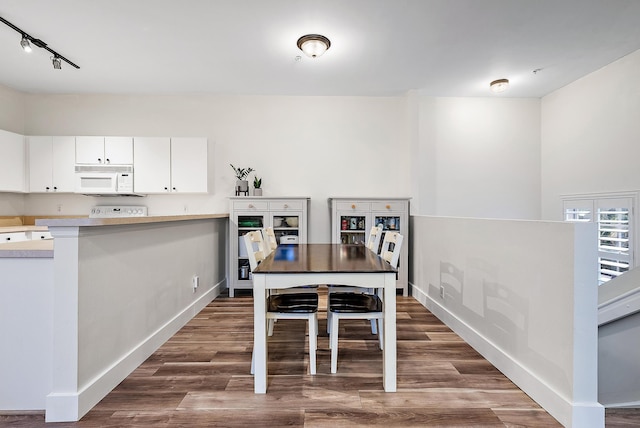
{"x": 242, "y": 185}
{"x": 257, "y": 192}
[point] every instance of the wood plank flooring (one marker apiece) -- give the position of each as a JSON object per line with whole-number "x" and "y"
{"x": 200, "y": 377}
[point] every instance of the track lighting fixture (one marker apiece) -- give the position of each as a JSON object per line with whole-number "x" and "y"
{"x": 27, "y": 40}
{"x": 56, "y": 62}
{"x": 26, "y": 46}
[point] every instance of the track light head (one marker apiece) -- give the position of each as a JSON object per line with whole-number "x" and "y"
{"x": 57, "y": 64}
{"x": 26, "y": 46}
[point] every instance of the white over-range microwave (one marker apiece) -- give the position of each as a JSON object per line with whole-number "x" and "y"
{"x": 105, "y": 180}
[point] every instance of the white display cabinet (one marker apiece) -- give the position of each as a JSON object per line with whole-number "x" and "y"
{"x": 287, "y": 215}
{"x": 353, "y": 218}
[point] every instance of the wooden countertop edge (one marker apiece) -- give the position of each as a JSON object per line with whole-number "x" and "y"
{"x": 85, "y": 221}
{"x": 11, "y": 229}
{"x": 27, "y": 249}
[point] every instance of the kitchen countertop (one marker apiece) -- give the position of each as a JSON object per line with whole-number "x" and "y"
{"x": 11, "y": 229}
{"x": 86, "y": 221}
{"x": 40, "y": 248}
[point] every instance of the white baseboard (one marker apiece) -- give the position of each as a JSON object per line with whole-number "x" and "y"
{"x": 569, "y": 414}
{"x": 71, "y": 407}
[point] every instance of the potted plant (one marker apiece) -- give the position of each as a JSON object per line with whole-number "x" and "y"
{"x": 242, "y": 185}
{"x": 257, "y": 182}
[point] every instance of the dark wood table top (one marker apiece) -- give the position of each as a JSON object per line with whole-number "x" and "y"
{"x": 323, "y": 258}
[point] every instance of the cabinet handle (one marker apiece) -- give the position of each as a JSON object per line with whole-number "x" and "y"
{"x": 9, "y": 239}
{"x": 251, "y": 206}
{"x": 388, "y": 207}
{"x": 55, "y": 188}
{"x": 174, "y": 189}
{"x": 353, "y": 206}
{"x": 166, "y": 188}
{"x": 46, "y": 188}
{"x": 108, "y": 161}
{"x": 286, "y": 206}
{"x": 100, "y": 160}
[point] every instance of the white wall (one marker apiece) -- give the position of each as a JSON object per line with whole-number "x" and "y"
{"x": 300, "y": 146}
{"x": 589, "y": 138}
{"x": 12, "y": 110}
{"x": 524, "y": 295}
{"x": 26, "y": 329}
{"x": 479, "y": 157}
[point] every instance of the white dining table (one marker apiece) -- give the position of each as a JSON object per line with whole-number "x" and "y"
{"x": 315, "y": 264}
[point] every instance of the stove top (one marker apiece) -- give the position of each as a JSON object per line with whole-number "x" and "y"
{"x": 115, "y": 211}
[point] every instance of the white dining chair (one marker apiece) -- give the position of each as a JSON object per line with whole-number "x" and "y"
{"x": 361, "y": 305}
{"x": 270, "y": 241}
{"x": 287, "y": 305}
{"x": 373, "y": 244}
{"x": 373, "y": 241}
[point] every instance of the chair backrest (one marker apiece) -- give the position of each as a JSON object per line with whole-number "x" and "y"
{"x": 252, "y": 240}
{"x": 270, "y": 241}
{"x": 392, "y": 256}
{"x": 373, "y": 242}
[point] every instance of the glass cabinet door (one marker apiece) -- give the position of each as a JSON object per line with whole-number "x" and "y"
{"x": 353, "y": 228}
{"x": 286, "y": 227}
{"x": 246, "y": 223}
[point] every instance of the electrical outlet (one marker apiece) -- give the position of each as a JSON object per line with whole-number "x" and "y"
{"x": 59, "y": 207}
{"x": 195, "y": 282}
{"x": 442, "y": 291}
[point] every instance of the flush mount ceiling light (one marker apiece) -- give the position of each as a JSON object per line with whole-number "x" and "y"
{"x": 27, "y": 40}
{"x": 313, "y": 45}
{"x": 499, "y": 85}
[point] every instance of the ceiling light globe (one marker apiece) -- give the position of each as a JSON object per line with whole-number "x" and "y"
{"x": 499, "y": 85}
{"x": 313, "y": 45}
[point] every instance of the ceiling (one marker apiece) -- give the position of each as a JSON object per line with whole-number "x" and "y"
{"x": 379, "y": 47}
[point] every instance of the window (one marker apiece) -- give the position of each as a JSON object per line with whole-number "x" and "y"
{"x": 615, "y": 231}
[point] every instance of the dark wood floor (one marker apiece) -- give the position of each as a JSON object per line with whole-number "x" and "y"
{"x": 200, "y": 377}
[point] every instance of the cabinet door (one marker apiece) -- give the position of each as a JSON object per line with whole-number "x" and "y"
{"x": 152, "y": 164}
{"x": 287, "y": 226}
{"x": 40, "y": 164}
{"x": 189, "y": 165}
{"x": 245, "y": 222}
{"x": 353, "y": 227}
{"x": 12, "y": 172}
{"x": 118, "y": 150}
{"x": 90, "y": 150}
{"x": 63, "y": 149}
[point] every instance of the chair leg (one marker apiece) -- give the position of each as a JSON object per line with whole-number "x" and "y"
{"x": 253, "y": 362}
{"x": 270, "y": 327}
{"x": 334, "y": 343}
{"x": 313, "y": 342}
{"x": 374, "y": 327}
{"x": 380, "y": 332}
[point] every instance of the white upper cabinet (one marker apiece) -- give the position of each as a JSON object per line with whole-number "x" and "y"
{"x": 104, "y": 150}
{"x": 170, "y": 165}
{"x": 51, "y": 164}
{"x": 12, "y": 164}
{"x": 189, "y": 165}
{"x": 152, "y": 164}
